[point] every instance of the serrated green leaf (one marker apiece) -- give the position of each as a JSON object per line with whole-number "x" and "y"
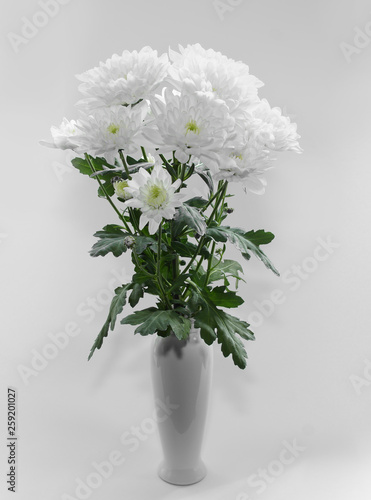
{"x": 154, "y": 320}
{"x": 238, "y": 238}
{"x": 205, "y": 175}
{"x": 228, "y": 327}
{"x": 224, "y": 298}
{"x": 82, "y": 166}
{"x": 108, "y": 188}
{"x": 197, "y": 202}
{"x": 138, "y": 317}
{"x": 143, "y": 242}
{"x": 136, "y": 294}
{"x": 259, "y": 237}
{"x": 215, "y": 323}
{"x": 225, "y": 268}
{"x": 117, "y": 305}
{"x": 189, "y": 216}
{"x": 111, "y": 239}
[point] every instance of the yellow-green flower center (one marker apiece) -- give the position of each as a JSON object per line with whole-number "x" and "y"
{"x": 156, "y": 196}
{"x": 120, "y": 187}
{"x": 192, "y": 127}
{"x": 113, "y": 128}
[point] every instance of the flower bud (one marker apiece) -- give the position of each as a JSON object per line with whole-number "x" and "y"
{"x": 120, "y": 189}
{"x": 129, "y": 241}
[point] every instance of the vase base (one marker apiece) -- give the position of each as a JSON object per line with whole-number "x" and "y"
{"x": 182, "y": 477}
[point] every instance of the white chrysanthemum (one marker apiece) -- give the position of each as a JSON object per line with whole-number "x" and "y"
{"x": 121, "y": 190}
{"x": 271, "y": 129}
{"x": 265, "y": 132}
{"x": 123, "y": 80}
{"x": 189, "y": 124}
{"x": 155, "y": 195}
{"x": 212, "y": 72}
{"x": 108, "y": 130}
{"x": 63, "y": 136}
{"x": 246, "y": 167}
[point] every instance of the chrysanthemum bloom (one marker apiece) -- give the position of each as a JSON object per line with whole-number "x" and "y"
{"x": 123, "y": 80}
{"x": 63, "y": 136}
{"x": 212, "y": 72}
{"x": 189, "y": 124}
{"x": 155, "y": 196}
{"x": 121, "y": 191}
{"x": 265, "y": 132}
{"x": 108, "y": 130}
{"x": 248, "y": 168}
{"x": 273, "y": 130}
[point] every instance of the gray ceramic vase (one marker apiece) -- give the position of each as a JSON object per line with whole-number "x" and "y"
{"x": 181, "y": 376}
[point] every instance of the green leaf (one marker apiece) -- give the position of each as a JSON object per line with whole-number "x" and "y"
{"x": 118, "y": 302}
{"x": 117, "y": 305}
{"x": 136, "y": 294}
{"x": 204, "y": 320}
{"x": 223, "y": 298}
{"x": 259, "y": 237}
{"x": 225, "y": 268}
{"x": 229, "y": 327}
{"x": 82, "y": 165}
{"x": 190, "y": 216}
{"x": 178, "y": 283}
{"x": 84, "y": 168}
{"x": 217, "y": 234}
{"x": 240, "y": 239}
{"x": 143, "y": 242}
{"x": 138, "y": 317}
{"x": 215, "y": 323}
{"x": 197, "y": 202}
{"x": 111, "y": 239}
{"x": 205, "y": 175}
{"x": 108, "y": 187}
{"x": 154, "y": 320}
{"x": 186, "y": 249}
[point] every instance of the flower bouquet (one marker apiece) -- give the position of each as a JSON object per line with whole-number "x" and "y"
{"x": 149, "y": 129}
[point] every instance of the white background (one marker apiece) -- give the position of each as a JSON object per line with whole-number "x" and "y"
{"x": 301, "y": 381}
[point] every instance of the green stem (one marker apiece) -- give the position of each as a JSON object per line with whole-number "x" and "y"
{"x": 221, "y": 198}
{"x": 165, "y": 161}
{"x": 199, "y": 246}
{"x": 144, "y": 154}
{"x": 182, "y": 173}
{"x": 91, "y": 164}
{"x": 124, "y": 163}
{"x": 158, "y": 270}
{"x": 209, "y": 263}
{"x": 138, "y": 264}
{"x": 169, "y": 167}
{"x": 133, "y": 220}
{"x": 212, "y": 199}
